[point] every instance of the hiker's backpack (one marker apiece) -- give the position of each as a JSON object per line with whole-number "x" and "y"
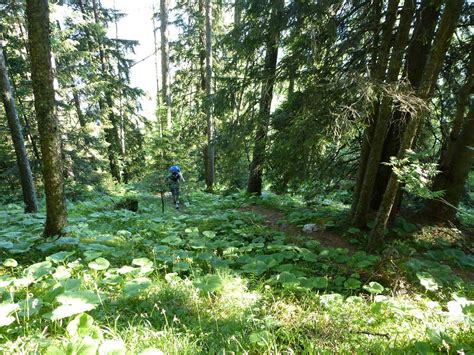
{"x": 175, "y": 170}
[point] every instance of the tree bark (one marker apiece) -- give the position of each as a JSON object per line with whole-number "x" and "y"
{"x": 111, "y": 133}
{"x": 441, "y": 42}
{"x": 452, "y": 181}
{"x": 378, "y": 68}
{"x": 157, "y": 75}
{"x": 37, "y": 14}
{"x": 238, "y": 7}
{"x": 417, "y": 55}
{"x": 456, "y": 155}
{"x": 263, "y": 119}
{"x": 26, "y": 177}
{"x": 209, "y": 101}
{"x": 165, "y": 62}
{"x": 384, "y": 116}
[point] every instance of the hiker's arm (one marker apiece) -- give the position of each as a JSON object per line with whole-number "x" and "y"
{"x": 182, "y": 178}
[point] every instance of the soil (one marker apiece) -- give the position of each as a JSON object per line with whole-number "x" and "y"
{"x": 274, "y": 218}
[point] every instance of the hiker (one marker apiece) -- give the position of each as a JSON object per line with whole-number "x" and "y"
{"x": 175, "y": 177}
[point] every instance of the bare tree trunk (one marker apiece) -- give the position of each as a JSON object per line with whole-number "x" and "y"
{"x": 445, "y": 31}
{"x": 384, "y": 116}
{"x": 26, "y": 177}
{"x": 157, "y": 74}
{"x": 209, "y": 101}
{"x": 165, "y": 62}
{"x": 42, "y": 80}
{"x": 263, "y": 118}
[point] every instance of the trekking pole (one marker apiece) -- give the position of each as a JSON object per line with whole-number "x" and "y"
{"x": 162, "y": 202}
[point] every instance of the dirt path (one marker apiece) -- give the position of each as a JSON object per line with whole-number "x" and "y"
{"x": 273, "y": 220}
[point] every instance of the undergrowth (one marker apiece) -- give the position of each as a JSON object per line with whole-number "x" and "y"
{"x": 213, "y": 278}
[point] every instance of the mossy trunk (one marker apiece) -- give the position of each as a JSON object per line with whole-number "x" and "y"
{"x": 37, "y": 14}
{"x": 384, "y": 116}
{"x": 379, "y": 62}
{"x": 417, "y": 55}
{"x": 26, "y": 177}
{"x": 433, "y": 66}
{"x": 263, "y": 120}
{"x": 456, "y": 156}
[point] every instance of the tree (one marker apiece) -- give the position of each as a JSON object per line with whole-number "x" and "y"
{"x": 37, "y": 14}
{"x": 457, "y": 155}
{"x": 376, "y": 130}
{"x": 165, "y": 63}
{"x": 209, "y": 100}
{"x": 441, "y": 42}
{"x": 263, "y": 118}
{"x": 26, "y": 177}
{"x": 417, "y": 55}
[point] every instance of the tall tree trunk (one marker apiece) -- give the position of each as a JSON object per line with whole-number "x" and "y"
{"x": 238, "y": 7}
{"x": 37, "y": 14}
{"x": 384, "y": 116}
{"x": 263, "y": 118}
{"x": 417, "y": 56}
{"x": 456, "y": 155}
{"x": 380, "y": 55}
{"x": 77, "y": 105}
{"x": 157, "y": 74}
{"x": 111, "y": 134}
{"x": 433, "y": 66}
{"x": 165, "y": 62}
{"x": 453, "y": 180}
{"x": 26, "y": 177}
{"x": 209, "y": 100}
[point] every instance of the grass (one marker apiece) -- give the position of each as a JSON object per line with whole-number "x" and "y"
{"x": 214, "y": 279}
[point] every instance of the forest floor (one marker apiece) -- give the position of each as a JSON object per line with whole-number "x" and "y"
{"x": 227, "y": 274}
{"x": 276, "y": 220}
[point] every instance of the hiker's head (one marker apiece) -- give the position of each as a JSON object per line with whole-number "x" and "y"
{"x": 175, "y": 169}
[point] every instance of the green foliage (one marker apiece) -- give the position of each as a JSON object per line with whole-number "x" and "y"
{"x": 214, "y": 278}
{"x": 416, "y": 176}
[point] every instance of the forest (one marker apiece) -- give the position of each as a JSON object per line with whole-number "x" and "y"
{"x": 302, "y": 184}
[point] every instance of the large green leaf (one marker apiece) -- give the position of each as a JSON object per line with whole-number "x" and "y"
{"x": 427, "y": 281}
{"x": 38, "y": 270}
{"x": 209, "y": 283}
{"x": 352, "y": 283}
{"x": 145, "y": 264}
{"x": 59, "y": 257}
{"x": 288, "y": 279}
{"x": 92, "y": 254}
{"x": 112, "y": 347}
{"x": 83, "y": 346}
{"x": 61, "y": 273}
{"x": 10, "y": 263}
{"x": 261, "y": 338}
{"x": 6, "y": 309}
{"x": 99, "y": 264}
{"x": 256, "y": 267}
{"x": 181, "y": 266}
{"x": 29, "y": 307}
{"x": 142, "y": 262}
{"x": 83, "y": 325}
{"x": 75, "y": 302}
{"x": 135, "y": 287}
{"x": 315, "y": 282}
{"x": 374, "y": 288}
